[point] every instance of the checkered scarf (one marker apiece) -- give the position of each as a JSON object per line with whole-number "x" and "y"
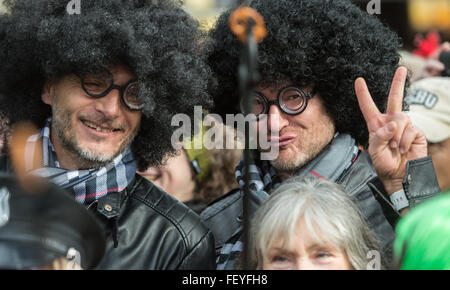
{"x": 262, "y": 176}
{"x": 331, "y": 164}
{"x": 86, "y": 185}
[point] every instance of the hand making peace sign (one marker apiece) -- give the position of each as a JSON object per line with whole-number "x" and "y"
{"x": 393, "y": 140}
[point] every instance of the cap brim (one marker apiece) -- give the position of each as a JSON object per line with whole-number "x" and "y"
{"x": 25, "y": 255}
{"x": 435, "y": 131}
{"x": 50, "y": 222}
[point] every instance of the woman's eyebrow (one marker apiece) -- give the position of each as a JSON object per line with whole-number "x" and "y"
{"x": 280, "y": 249}
{"x": 317, "y": 245}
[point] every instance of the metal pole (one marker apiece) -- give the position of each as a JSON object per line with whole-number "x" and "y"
{"x": 248, "y": 25}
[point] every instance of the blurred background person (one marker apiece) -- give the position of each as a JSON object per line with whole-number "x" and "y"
{"x": 435, "y": 63}
{"x": 422, "y": 241}
{"x": 423, "y": 25}
{"x": 198, "y": 176}
{"x": 311, "y": 224}
{"x": 429, "y": 101}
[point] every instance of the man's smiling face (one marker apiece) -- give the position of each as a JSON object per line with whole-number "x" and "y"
{"x": 91, "y": 130}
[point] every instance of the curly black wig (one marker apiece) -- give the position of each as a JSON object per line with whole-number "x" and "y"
{"x": 157, "y": 39}
{"x": 324, "y": 43}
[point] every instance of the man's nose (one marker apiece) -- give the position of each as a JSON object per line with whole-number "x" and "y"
{"x": 110, "y": 104}
{"x": 276, "y": 119}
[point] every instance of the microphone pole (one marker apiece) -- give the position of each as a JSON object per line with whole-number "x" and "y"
{"x": 248, "y": 25}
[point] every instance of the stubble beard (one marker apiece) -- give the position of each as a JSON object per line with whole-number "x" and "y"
{"x": 85, "y": 158}
{"x": 295, "y": 161}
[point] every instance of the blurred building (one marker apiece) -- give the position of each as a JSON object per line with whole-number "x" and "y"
{"x": 430, "y": 14}
{"x": 409, "y": 17}
{"x": 406, "y": 17}
{"x": 207, "y": 11}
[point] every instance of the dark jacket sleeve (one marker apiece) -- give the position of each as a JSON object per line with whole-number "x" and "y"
{"x": 222, "y": 218}
{"x": 202, "y": 257}
{"x": 420, "y": 184}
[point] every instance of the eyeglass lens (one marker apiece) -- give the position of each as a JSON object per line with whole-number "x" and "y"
{"x": 291, "y": 100}
{"x": 99, "y": 84}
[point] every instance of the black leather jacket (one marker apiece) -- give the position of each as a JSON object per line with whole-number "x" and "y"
{"x": 148, "y": 229}
{"x": 224, "y": 215}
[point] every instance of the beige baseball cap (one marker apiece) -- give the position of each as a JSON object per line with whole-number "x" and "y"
{"x": 429, "y": 105}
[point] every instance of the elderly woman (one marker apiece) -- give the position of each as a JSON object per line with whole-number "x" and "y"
{"x": 311, "y": 224}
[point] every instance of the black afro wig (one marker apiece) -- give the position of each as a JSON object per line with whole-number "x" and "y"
{"x": 157, "y": 39}
{"x": 324, "y": 43}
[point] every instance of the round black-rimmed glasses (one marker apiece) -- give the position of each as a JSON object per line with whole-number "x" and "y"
{"x": 291, "y": 100}
{"x": 100, "y": 83}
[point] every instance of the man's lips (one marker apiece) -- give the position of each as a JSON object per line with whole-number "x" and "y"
{"x": 282, "y": 140}
{"x": 98, "y": 129}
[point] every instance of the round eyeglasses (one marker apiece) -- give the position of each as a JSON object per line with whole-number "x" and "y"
{"x": 290, "y": 100}
{"x": 100, "y": 83}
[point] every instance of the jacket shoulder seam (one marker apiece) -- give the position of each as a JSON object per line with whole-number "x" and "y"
{"x": 220, "y": 205}
{"x": 171, "y": 219}
{"x": 194, "y": 248}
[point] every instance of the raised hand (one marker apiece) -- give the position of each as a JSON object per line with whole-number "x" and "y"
{"x": 393, "y": 140}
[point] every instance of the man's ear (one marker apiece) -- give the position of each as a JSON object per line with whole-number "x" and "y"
{"x": 48, "y": 92}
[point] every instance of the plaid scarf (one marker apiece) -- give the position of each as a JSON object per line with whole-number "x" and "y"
{"x": 331, "y": 164}
{"x": 86, "y": 185}
{"x": 262, "y": 176}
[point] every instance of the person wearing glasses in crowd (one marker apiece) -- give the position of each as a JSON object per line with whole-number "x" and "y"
{"x": 103, "y": 85}
{"x": 330, "y": 85}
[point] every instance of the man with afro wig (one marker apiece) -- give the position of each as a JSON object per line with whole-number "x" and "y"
{"x": 331, "y": 94}
{"x": 102, "y": 85}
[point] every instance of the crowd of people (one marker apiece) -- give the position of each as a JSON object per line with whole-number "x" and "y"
{"x": 363, "y": 148}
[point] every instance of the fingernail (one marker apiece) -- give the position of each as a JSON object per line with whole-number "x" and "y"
{"x": 394, "y": 144}
{"x": 402, "y": 151}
